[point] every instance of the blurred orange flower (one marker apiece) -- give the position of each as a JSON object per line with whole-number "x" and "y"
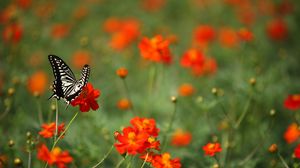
{"x": 123, "y": 32}
{"x": 228, "y": 37}
{"x": 162, "y": 160}
{"x": 122, "y": 72}
{"x": 60, "y": 30}
{"x": 37, "y": 83}
{"x": 80, "y": 58}
{"x": 212, "y": 148}
{"x": 24, "y": 3}
{"x": 124, "y": 104}
{"x": 48, "y": 130}
{"x": 155, "y": 49}
{"x": 192, "y": 57}
{"x": 8, "y": 13}
{"x": 181, "y": 138}
{"x": 145, "y": 124}
{"x": 87, "y": 98}
{"x": 186, "y": 89}
{"x": 54, "y": 157}
{"x": 210, "y": 67}
{"x": 292, "y": 133}
{"x": 12, "y": 33}
{"x": 153, "y": 5}
{"x": 277, "y": 29}
{"x": 203, "y": 35}
{"x": 292, "y": 102}
{"x": 245, "y": 35}
{"x": 297, "y": 151}
{"x": 80, "y": 12}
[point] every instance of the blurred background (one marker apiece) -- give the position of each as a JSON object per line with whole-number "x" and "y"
{"x": 250, "y": 50}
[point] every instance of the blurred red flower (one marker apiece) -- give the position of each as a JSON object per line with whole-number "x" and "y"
{"x": 24, "y": 4}
{"x": 122, "y": 72}
{"x": 8, "y": 13}
{"x": 245, "y": 35}
{"x": 87, "y": 98}
{"x": 297, "y": 151}
{"x": 292, "y": 133}
{"x": 162, "y": 160}
{"x": 80, "y": 58}
{"x": 155, "y": 49}
{"x": 292, "y": 102}
{"x": 132, "y": 141}
{"x": 277, "y": 29}
{"x": 124, "y": 104}
{"x": 153, "y": 5}
{"x": 285, "y": 7}
{"x": 37, "y": 82}
{"x": 145, "y": 124}
{"x": 124, "y": 32}
{"x": 54, "y": 157}
{"x": 12, "y": 33}
{"x": 48, "y": 130}
{"x": 186, "y": 89}
{"x": 203, "y": 35}
{"x": 228, "y": 37}
{"x": 60, "y": 30}
{"x": 212, "y": 148}
{"x": 181, "y": 138}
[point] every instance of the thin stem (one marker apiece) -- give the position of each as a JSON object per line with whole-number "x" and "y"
{"x": 104, "y": 157}
{"x": 145, "y": 160}
{"x": 62, "y": 134}
{"x": 130, "y": 161}
{"x": 29, "y": 159}
{"x": 241, "y": 118}
{"x": 40, "y": 113}
{"x": 169, "y": 126}
{"x": 128, "y": 96}
{"x": 217, "y": 161}
{"x": 56, "y": 120}
{"x": 120, "y": 163}
{"x": 152, "y": 78}
{"x": 282, "y": 160}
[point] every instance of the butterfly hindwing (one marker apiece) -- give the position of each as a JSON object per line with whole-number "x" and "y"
{"x": 65, "y": 84}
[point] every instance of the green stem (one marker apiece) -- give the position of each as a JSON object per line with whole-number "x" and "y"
{"x": 120, "y": 163}
{"x": 169, "y": 126}
{"x": 145, "y": 160}
{"x": 241, "y": 118}
{"x": 128, "y": 96}
{"x": 217, "y": 161}
{"x": 104, "y": 157}
{"x": 40, "y": 113}
{"x": 29, "y": 159}
{"x": 282, "y": 160}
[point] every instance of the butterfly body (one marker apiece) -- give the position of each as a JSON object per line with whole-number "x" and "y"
{"x": 65, "y": 85}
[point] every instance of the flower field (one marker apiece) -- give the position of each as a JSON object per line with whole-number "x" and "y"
{"x": 149, "y": 83}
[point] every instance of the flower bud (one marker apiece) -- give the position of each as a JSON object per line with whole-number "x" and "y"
{"x": 122, "y": 72}
{"x": 174, "y": 99}
{"x": 273, "y": 148}
{"x": 17, "y": 162}
{"x": 252, "y": 81}
{"x": 11, "y": 143}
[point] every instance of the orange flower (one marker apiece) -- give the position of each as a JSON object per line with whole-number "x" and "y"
{"x": 203, "y": 35}
{"x": 277, "y": 29}
{"x": 87, "y": 98}
{"x": 228, "y": 37}
{"x": 212, "y": 148}
{"x": 80, "y": 12}
{"x": 164, "y": 161}
{"x": 8, "y": 13}
{"x": 54, "y": 157}
{"x": 181, "y": 138}
{"x": 24, "y": 3}
{"x": 292, "y": 133}
{"x": 155, "y": 49}
{"x": 210, "y": 67}
{"x": 60, "y": 31}
{"x": 145, "y": 124}
{"x": 124, "y": 104}
{"x": 186, "y": 89}
{"x": 12, "y": 33}
{"x": 49, "y": 130}
{"x": 297, "y": 151}
{"x": 131, "y": 141}
{"x": 292, "y": 102}
{"x": 153, "y": 5}
{"x": 191, "y": 58}
{"x": 122, "y": 72}
{"x": 37, "y": 82}
{"x": 245, "y": 35}
{"x": 124, "y": 32}
{"x": 80, "y": 58}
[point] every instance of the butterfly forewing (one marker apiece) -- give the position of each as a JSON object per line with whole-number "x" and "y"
{"x": 65, "y": 84}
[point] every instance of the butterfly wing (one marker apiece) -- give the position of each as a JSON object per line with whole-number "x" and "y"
{"x": 72, "y": 94}
{"x": 64, "y": 77}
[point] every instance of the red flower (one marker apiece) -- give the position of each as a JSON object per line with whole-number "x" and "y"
{"x": 132, "y": 141}
{"x": 245, "y": 35}
{"x": 186, "y": 89}
{"x": 54, "y": 157}
{"x": 297, "y": 151}
{"x": 162, "y": 161}
{"x": 60, "y": 31}
{"x": 155, "y": 49}
{"x": 228, "y": 37}
{"x": 204, "y": 34}
{"x": 49, "y": 130}
{"x": 212, "y": 148}
{"x": 292, "y": 102}
{"x": 181, "y": 138}
{"x": 292, "y": 133}
{"x": 191, "y": 58}
{"x": 153, "y": 5}
{"x": 277, "y": 29}
{"x": 87, "y": 99}
{"x": 145, "y": 124}
{"x": 12, "y": 33}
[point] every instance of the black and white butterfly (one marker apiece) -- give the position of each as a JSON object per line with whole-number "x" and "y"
{"x": 65, "y": 84}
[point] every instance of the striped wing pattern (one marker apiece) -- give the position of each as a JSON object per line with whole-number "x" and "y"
{"x": 65, "y": 84}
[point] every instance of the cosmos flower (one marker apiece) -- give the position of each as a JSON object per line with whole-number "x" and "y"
{"x": 297, "y": 151}
{"x": 87, "y": 98}
{"x": 122, "y": 72}
{"x": 48, "y": 130}
{"x": 181, "y": 138}
{"x": 292, "y": 102}
{"x": 211, "y": 149}
{"x": 145, "y": 124}
{"x": 37, "y": 82}
{"x": 292, "y": 133}
{"x": 186, "y": 89}
{"x": 124, "y": 104}
{"x": 162, "y": 160}
{"x": 277, "y": 29}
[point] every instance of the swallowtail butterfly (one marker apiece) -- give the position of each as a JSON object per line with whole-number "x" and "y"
{"x": 65, "y": 84}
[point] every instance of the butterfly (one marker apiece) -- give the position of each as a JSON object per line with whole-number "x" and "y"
{"x": 65, "y": 84}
